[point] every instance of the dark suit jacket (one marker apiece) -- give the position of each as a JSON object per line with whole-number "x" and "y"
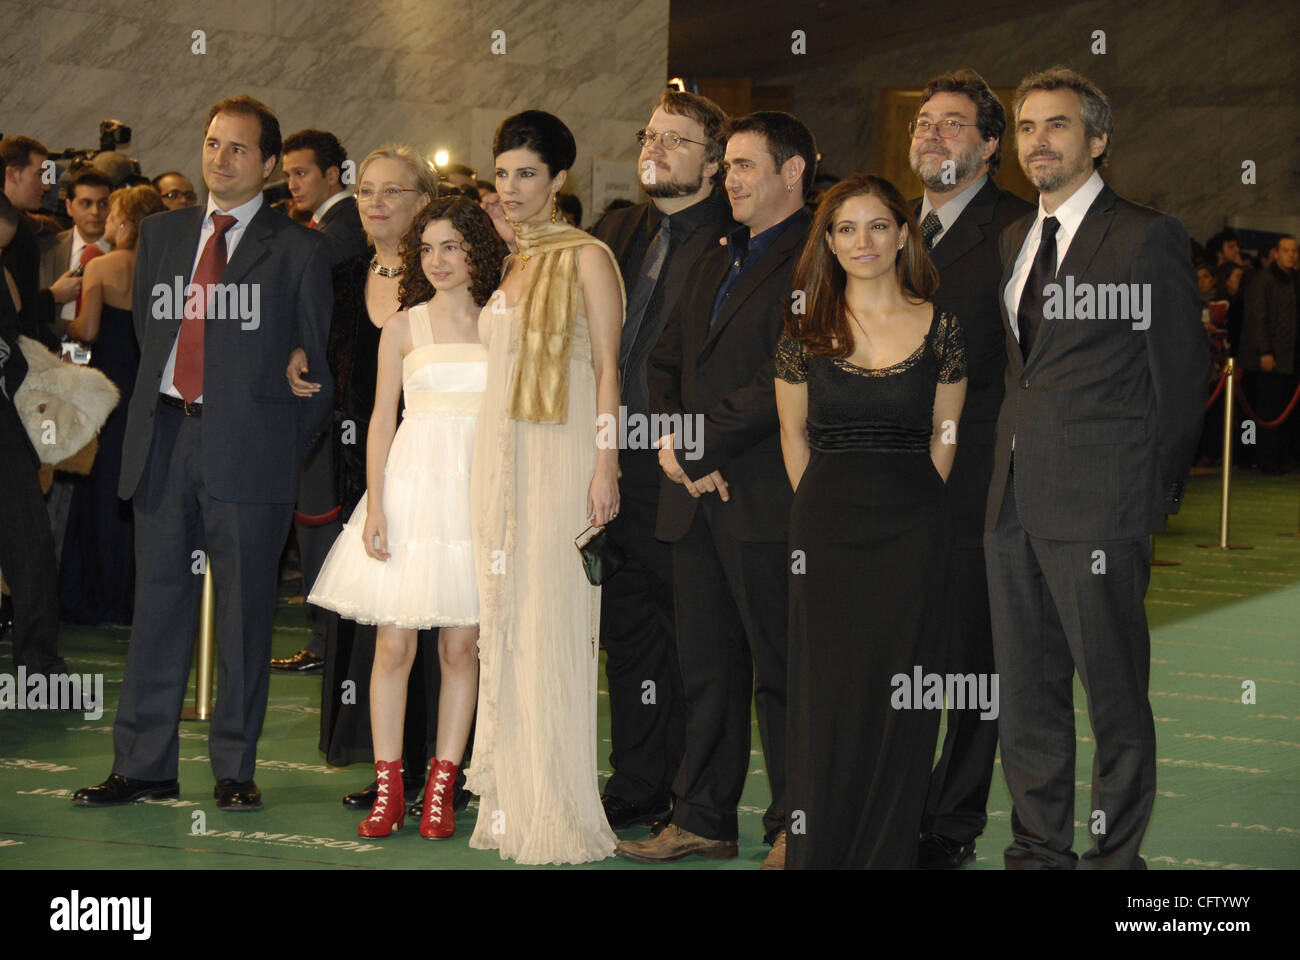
{"x": 1269, "y": 320}
{"x": 255, "y": 431}
{"x": 342, "y": 225}
{"x": 726, "y": 375}
{"x": 1106, "y": 418}
{"x": 54, "y": 258}
{"x": 970, "y": 270}
{"x": 23, "y": 259}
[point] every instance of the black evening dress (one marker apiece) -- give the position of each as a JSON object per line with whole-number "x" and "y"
{"x": 867, "y": 597}
{"x": 97, "y": 574}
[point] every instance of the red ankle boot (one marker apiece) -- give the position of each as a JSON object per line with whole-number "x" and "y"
{"x": 439, "y": 819}
{"x": 389, "y": 811}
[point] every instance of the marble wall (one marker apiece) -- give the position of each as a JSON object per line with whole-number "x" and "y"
{"x": 1196, "y": 89}
{"x": 416, "y": 71}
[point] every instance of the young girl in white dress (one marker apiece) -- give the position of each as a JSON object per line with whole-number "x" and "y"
{"x": 404, "y": 560}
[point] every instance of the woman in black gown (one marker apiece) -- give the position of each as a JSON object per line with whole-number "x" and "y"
{"x": 97, "y": 574}
{"x": 870, "y": 386}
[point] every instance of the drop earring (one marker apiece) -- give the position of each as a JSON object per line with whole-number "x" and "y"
{"x": 554, "y": 218}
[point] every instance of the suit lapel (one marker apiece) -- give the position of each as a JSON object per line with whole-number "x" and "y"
{"x": 784, "y": 247}
{"x": 1083, "y": 247}
{"x": 968, "y": 232}
{"x": 252, "y": 245}
{"x": 1015, "y": 235}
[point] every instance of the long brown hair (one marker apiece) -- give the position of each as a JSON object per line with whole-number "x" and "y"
{"x": 823, "y": 325}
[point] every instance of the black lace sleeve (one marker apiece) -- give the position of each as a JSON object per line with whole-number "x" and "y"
{"x": 951, "y": 350}
{"x": 791, "y": 360}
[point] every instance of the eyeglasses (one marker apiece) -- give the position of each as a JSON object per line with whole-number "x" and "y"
{"x": 669, "y": 139}
{"x": 947, "y": 128}
{"x": 177, "y": 194}
{"x": 388, "y": 193}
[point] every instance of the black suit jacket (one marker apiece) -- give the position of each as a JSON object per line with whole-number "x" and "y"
{"x": 1106, "y": 418}
{"x": 341, "y": 225}
{"x": 1269, "y": 319}
{"x": 970, "y": 289}
{"x": 255, "y": 432}
{"x": 726, "y": 375}
{"x": 23, "y": 259}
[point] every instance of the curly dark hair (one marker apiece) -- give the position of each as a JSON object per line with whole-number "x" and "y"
{"x": 486, "y": 250}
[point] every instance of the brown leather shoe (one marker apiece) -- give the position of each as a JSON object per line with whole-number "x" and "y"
{"x": 775, "y": 859}
{"x": 673, "y": 844}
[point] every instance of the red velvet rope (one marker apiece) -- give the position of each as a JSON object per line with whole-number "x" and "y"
{"x": 316, "y": 520}
{"x": 1269, "y": 424}
{"x": 1218, "y": 389}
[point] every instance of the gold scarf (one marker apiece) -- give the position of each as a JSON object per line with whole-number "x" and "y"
{"x": 539, "y": 387}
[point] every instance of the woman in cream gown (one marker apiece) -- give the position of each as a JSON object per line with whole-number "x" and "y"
{"x": 552, "y": 333}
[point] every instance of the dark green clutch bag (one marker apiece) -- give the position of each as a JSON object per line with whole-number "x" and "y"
{"x": 601, "y": 556}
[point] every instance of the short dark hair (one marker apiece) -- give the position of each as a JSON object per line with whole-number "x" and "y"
{"x": 786, "y": 137}
{"x": 324, "y": 146}
{"x": 85, "y": 177}
{"x": 16, "y": 151}
{"x": 990, "y": 116}
{"x": 245, "y": 106}
{"x": 484, "y": 185}
{"x": 1214, "y": 246}
{"x": 708, "y": 115}
{"x": 1095, "y": 110}
{"x": 460, "y": 168}
{"x": 543, "y": 133}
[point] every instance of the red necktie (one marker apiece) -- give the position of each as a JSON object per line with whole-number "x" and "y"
{"x": 311, "y": 224}
{"x": 188, "y": 372}
{"x": 89, "y": 252}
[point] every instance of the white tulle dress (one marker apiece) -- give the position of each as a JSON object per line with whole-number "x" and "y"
{"x": 429, "y": 578}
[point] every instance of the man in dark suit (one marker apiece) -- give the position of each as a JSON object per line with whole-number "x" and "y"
{"x": 26, "y": 545}
{"x": 86, "y": 202}
{"x": 1268, "y": 350}
{"x": 214, "y": 444}
{"x": 956, "y": 150}
{"x": 1107, "y": 365}
{"x": 657, "y": 244}
{"x": 26, "y": 180}
{"x": 314, "y": 162}
{"x": 725, "y": 499}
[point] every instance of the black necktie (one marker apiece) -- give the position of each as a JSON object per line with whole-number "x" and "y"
{"x": 643, "y": 291}
{"x": 1029, "y": 315}
{"x": 930, "y": 228}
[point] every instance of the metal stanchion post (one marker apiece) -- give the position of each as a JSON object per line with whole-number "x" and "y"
{"x": 1225, "y": 493}
{"x": 205, "y": 652}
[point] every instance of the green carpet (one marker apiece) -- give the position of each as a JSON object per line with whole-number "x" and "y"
{"x": 1229, "y": 773}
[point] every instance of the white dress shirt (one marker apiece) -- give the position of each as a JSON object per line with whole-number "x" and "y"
{"x": 320, "y": 211}
{"x": 243, "y": 215}
{"x": 1069, "y": 215}
{"x": 69, "y": 311}
{"x": 951, "y": 210}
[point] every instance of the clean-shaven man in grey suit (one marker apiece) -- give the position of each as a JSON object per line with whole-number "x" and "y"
{"x": 214, "y": 444}
{"x": 1107, "y": 366}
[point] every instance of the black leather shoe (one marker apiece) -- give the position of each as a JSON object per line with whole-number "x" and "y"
{"x": 304, "y": 661}
{"x": 237, "y": 795}
{"x": 622, "y": 814}
{"x": 364, "y": 799}
{"x": 937, "y": 852}
{"x": 117, "y": 791}
{"x": 460, "y": 798}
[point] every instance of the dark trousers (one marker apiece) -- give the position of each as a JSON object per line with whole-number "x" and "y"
{"x": 646, "y": 717}
{"x": 955, "y": 805}
{"x": 174, "y": 517}
{"x": 27, "y": 551}
{"x": 1269, "y": 395}
{"x": 316, "y": 496}
{"x": 730, "y": 601}
{"x": 1052, "y": 615}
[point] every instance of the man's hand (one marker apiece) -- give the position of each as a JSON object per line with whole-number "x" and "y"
{"x": 713, "y": 483}
{"x": 1266, "y": 362}
{"x": 66, "y": 288}
{"x": 297, "y": 367}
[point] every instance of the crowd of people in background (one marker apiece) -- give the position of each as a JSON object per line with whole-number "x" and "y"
{"x": 882, "y": 415}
